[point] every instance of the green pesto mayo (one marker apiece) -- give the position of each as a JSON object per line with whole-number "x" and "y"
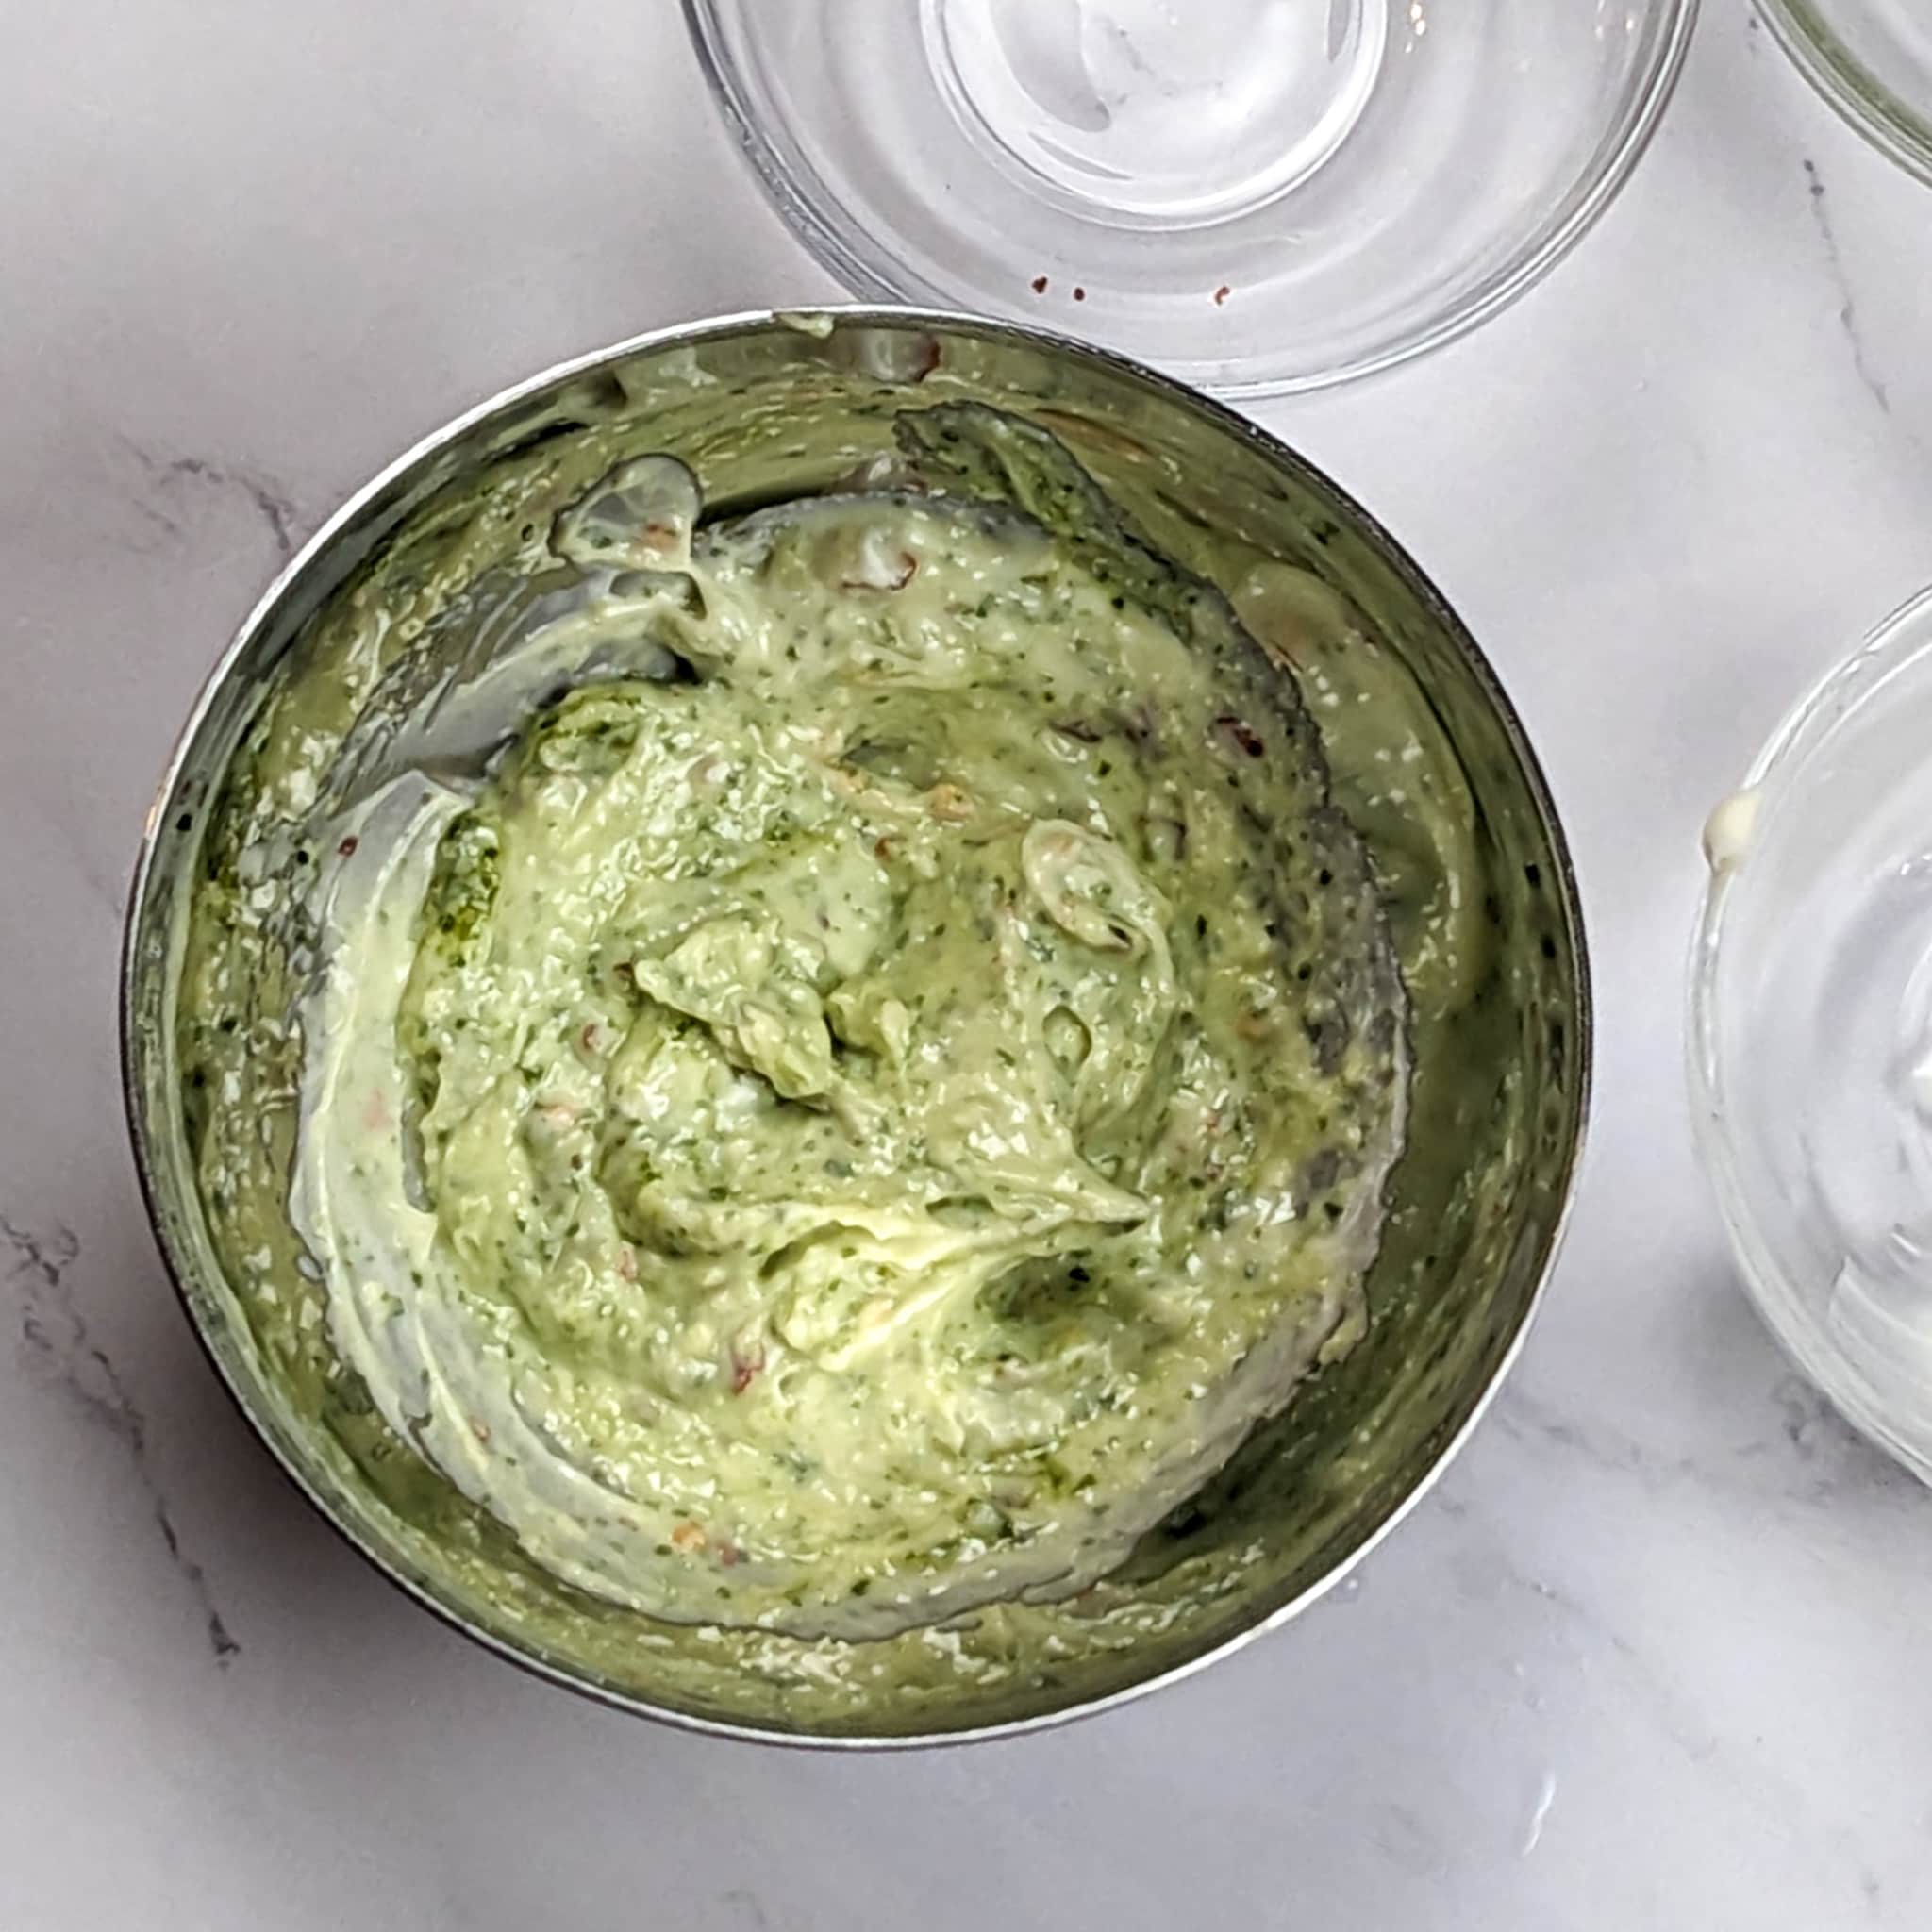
{"x": 840, "y": 1061}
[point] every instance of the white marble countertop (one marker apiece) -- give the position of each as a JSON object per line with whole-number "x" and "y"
{"x": 1654, "y": 1653}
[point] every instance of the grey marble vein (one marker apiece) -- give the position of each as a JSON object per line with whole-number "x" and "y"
{"x": 107, "y": 894}
{"x": 1809, "y": 1454}
{"x": 1868, "y": 377}
{"x": 171, "y": 473}
{"x": 1404, "y": 1836}
{"x": 1674, "y": 1711}
{"x": 56, "y": 1344}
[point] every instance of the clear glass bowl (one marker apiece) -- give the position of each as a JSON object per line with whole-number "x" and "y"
{"x": 1872, "y": 59}
{"x": 1810, "y": 1033}
{"x": 1258, "y": 196}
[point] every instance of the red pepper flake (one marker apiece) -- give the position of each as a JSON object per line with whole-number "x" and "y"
{"x": 347, "y": 846}
{"x": 728, "y": 1553}
{"x": 745, "y": 1369}
{"x": 626, "y": 1261}
{"x": 1221, "y": 293}
{"x": 1079, "y": 293}
{"x": 1039, "y": 285}
{"x": 949, "y": 803}
{"x": 688, "y": 1537}
{"x": 481, "y": 1431}
{"x": 1239, "y": 732}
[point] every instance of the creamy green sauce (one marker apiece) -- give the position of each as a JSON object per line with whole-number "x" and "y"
{"x": 860, "y": 1123}
{"x": 814, "y": 1077}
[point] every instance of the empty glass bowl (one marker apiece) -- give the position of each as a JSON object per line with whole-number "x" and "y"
{"x": 1811, "y": 1034}
{"x": 1258, "y": 195}
{"x": 1872, "y": 59}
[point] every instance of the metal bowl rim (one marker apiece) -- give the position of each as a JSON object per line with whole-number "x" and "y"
{"x": 860, "y": 315}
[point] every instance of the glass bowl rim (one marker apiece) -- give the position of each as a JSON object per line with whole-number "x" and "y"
{"x": 1807, "y": 727}
{"x": 814, "y": 220}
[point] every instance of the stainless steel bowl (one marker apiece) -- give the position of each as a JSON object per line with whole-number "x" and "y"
{"x": 767, "y": 407}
